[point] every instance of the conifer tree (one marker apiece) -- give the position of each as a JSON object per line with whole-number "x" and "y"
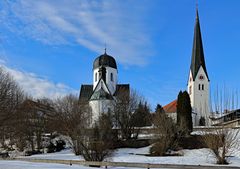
{"x": 159, "y": 109}
{"x": 141, "y": 116}
{"x": 187, "y": 110}
{"x": 184, "y": 112}
{"x": 179, "y": 109}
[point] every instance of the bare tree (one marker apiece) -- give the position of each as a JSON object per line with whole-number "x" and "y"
{"x": 99, "y": 140}
{"x": 125, "y": 104}
{"x": 222, "y": 143}
{"x": 11, "y": 95}
{"x": 31, "y": 122}
{"x": 224, "y": 100}
{"x": 72, "y": 118}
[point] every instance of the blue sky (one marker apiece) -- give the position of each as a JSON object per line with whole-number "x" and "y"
{"x": 49, "y": 46}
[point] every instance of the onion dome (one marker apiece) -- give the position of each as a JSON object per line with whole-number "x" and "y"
{"x": 104, "y": 60}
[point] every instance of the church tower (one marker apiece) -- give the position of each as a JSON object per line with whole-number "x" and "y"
{"x": 198, "y": 82}
{"x": 105, "y": 68}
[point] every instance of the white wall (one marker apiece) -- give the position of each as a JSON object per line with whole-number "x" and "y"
{"x": 100, "y": 106}
{"x": 199, "y": 98}
{"x": 95, "y": 82}
{"x": 111, "y": 84}
{"x": 173, "y": 116}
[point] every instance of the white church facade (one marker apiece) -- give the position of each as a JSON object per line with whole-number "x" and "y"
{"x": 102, "y": 93}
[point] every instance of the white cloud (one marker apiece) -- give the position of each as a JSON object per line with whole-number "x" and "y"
{"x": 36, "y": 86}
{"x": 87, "y": 22}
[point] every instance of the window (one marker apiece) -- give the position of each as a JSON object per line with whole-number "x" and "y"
{"x": 111, "y": 77}
{"x": 201, "y": 77}
{"x": 190, "y": 90}
{"x": 199, "y": 87}
{"x": 202, "y": 86}
{"x": 95, "y": 77}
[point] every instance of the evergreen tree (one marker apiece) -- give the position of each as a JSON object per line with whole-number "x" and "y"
{"x": 148, "y": 121}
{"x": 159, "y": 109}
{"x": 184, "y": 112}
{"x": 179, "y": 109}
{"x": 141, "y": 116}
{"x": 187, "y": 110}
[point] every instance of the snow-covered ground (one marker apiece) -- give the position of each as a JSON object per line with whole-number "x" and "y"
{"x": 190, "y": 157}
{"x": 66, "y": 154}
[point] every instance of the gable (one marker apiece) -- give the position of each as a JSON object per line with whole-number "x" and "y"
{"x": 101, "y": 84}
{"x": 202, "y": 72}
{"x": 101, "y": 92}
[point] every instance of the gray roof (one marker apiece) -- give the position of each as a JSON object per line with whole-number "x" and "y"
{"x": 85, "y": 92}
{"x": 197, "y": 50}
{"x": 104, "y": 60}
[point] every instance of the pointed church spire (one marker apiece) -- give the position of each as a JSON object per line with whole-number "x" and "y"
{"x": 197, "y": 51}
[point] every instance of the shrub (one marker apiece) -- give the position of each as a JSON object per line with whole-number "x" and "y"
{"x": 165, "y": 133}
{"x": 158, "y": 149}
{"x": 202, "y": 121}
{"x": 60, "y": 145}
{"x": 51, "y": 148}
{"x": 222, "y": 143}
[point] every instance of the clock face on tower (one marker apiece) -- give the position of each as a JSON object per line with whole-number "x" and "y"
{"x": 201, "y": 77}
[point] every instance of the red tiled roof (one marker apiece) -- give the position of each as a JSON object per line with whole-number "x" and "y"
{"x": 171, "y": 107}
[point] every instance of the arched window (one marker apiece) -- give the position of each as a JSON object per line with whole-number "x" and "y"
{"x": 202, "y": 86}
{"x": 199, "y": 87}
{"x": 95, "y": 77}
{"x": 111, "y": 76}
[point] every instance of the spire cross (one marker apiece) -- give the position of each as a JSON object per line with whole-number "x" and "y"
{"x": 196, "y": 9}
{"x": 105, "y": 49}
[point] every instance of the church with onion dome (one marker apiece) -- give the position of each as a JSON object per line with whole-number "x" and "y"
{"x": 102, "y": 92}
